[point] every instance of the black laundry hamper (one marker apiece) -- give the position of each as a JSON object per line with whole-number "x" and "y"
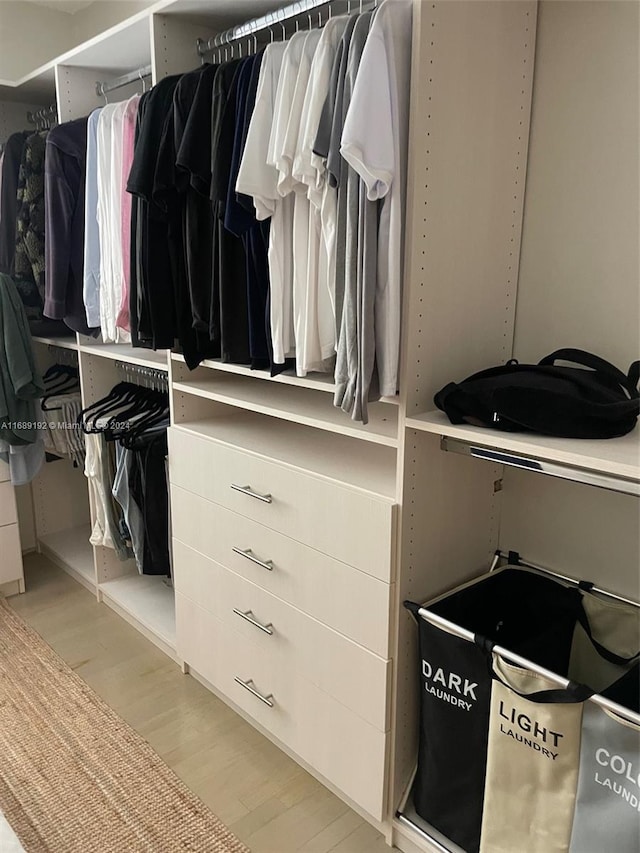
{"x": 528, "y": 613}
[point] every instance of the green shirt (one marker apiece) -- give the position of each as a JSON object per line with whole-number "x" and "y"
{"x": 20, "y": 382}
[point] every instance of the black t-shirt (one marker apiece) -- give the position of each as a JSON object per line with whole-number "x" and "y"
{"x": 240, "y": 218}
{"x": 171, "y": 186}
{"x": 193, "y": 158}
{"x": 159, "y": 324}
{"x": 136, "y": 276}
{"x": 231, "y": 257}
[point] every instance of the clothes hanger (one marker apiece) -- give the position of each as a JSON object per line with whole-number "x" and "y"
{"x": 155, "y": 410}
{"x": 116, "y": 396}
{"x": 145, "y": 403}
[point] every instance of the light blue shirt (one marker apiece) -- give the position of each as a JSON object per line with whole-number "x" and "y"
{"x": 91, "y": 277}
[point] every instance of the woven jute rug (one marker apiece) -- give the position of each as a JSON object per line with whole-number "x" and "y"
{"x": 74, "y": 777}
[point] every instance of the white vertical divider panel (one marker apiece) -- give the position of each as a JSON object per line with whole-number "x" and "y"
{"x": 470, "y": 111}
{"x": 75, "y": 92}
{"x": 580, "y": 267}
{"x": 471, "y": 100}
{"x": 173, "y": 45}
{"x": 451, "y": 519}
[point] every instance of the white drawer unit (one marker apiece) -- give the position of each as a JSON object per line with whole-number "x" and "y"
{"x": 296, "y": 642}
{"x": 341, "y": 596}
{"x": 341, "y": 746}
{"x": 344, "y": 522}
{"x": 10, "y": 554}
{"x": 8, "y": 511}
{"x": 4, "y": 472}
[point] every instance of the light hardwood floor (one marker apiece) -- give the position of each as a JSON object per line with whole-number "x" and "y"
{"x": 273, "y": 805}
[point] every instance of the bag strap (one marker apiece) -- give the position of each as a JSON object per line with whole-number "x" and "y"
{"x": 572, "y": 694}
{"x": 587, "y": 359}
{"x": 583, "y": 619}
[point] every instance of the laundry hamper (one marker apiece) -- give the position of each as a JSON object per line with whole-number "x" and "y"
{"x": 501, "y": 650}
{"x": 522, "y": 610}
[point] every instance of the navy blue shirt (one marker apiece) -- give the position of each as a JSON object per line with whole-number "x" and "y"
{"x": 64, "y": 181}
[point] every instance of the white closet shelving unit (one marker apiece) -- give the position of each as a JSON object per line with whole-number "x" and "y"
{"x": 288, "y": 514}
{"x": 495, "y": 272}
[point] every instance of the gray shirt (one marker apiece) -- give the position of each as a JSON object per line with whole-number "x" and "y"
{"x": 350, "y": 273}
{"x": 20, "y": 382}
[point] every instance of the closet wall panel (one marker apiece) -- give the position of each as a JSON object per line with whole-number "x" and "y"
{"x": 580, "y": 264}
{"x": 173, "y": 45}
{"x": 471, "y": 103}
{"x": 578, "y": 530}
{"x": 470, "y": 107}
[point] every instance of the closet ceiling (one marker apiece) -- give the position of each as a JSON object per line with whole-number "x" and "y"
{"x": 225, "y": 13}
{"x": 68, "y": 6}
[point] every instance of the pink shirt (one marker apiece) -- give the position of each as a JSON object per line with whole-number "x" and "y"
{"x": 128, "y": 136}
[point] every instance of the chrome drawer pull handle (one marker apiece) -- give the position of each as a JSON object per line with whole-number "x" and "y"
{"x": 250, "y": 686}
{"x": 248, "y": 553}
{"x": 247, "y": 490}
{"x": 248, "y": 616}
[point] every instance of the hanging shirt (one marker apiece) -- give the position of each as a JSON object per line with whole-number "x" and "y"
{"x": 171, "y": 188}
{"x": 64, "y": 191}
{"x": 281, "y": 259}
{"x": 91, "y": 274}
{"x": 29, "y": 261}
{"x": 20, "y": 382}
{"x": 240, "y": 218}
{"x": 231, "y": 257}
{"x": 157, "y": 321}
{"x": 136, "y": 294}
{"x": 108, "y": 311}
{"x": 128, "y": 136}
{"x": 257, "y": 179}
{"x": 348, "y": 349}
{"x": 374, "y": 143}
{"x": 193, "y": 156}
{"x": 309, "y": 169}
{"x": 333, "y": 210}
{"x": 115, "y": 218}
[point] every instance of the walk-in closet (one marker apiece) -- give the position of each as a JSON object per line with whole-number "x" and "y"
{"x": 255, "y": 374}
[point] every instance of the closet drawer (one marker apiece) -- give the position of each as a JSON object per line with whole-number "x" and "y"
{"x": 5, "y": 474}
{"x": 345, "y": 523}
{"x": 337, "y": 743}
{"x": 297, "y": 643}
{"x": 8, "y": 511}
{"x": 354, "y": 603}
{"x": 10, "y": 554}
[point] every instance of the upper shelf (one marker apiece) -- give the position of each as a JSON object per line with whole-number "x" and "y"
{"x": 303, "y": 405}
{"x": 121, "y": 48}
{"x": 315, "y": 381}
{"x": 61, "y": 343}
{"x": 608, "y": 463}
{"x": 125, "y": 352}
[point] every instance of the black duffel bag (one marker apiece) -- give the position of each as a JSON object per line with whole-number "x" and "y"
{"x": 551, "y": 399}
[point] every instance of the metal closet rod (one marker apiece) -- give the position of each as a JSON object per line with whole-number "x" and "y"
{"x": 552, "y": 573}
{"x": 271, "y": 19}
{"x": 152, "y": 374}
{"x": 141, "y": 74}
